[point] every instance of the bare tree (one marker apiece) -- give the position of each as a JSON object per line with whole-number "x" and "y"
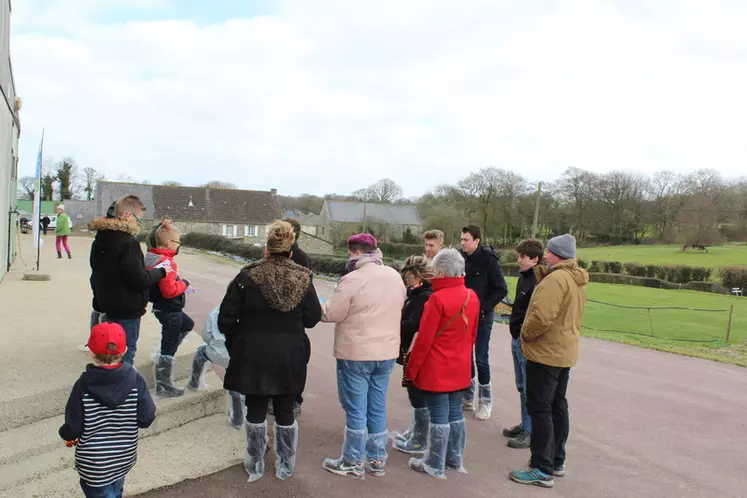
{"x": 90, "y": 178}
{"x": 698, "y": 221}
{"x": 385, "y": 191}
{"x": 27, "y": 187}
{"x": 578, "y": 187}
{"x": 171, "y": 183}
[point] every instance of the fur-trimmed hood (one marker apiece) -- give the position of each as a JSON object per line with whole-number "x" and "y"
{"x": 282, "y": 282}
{"x": 114, "y": 225}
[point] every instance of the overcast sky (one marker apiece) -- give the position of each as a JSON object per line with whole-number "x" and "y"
{"x": 326, "y": 96}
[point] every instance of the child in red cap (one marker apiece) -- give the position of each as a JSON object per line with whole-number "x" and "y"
{"x": 108, "y": 403}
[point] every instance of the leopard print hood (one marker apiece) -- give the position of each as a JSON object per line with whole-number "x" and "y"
{"x": 282, "y": 282}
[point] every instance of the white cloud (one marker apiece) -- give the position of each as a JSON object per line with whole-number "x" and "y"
{"x": 332, "y": 95}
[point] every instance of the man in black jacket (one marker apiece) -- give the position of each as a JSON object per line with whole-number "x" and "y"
{"x": 530, "y": 253}
{"x": 485, "y": 277}
{"x": 119, "y": 280}
{"x": 299, "y": 257}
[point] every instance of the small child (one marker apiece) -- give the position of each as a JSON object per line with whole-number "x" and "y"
{"x": 106, "y": 406}
{"x": 214, "y": 351}
{"x": 169, "y": 298}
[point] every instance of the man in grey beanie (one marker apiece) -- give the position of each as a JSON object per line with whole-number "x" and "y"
{"x": 549, "y": 340}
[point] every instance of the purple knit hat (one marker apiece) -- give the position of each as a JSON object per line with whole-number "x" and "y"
{"x": 363, "y": 238}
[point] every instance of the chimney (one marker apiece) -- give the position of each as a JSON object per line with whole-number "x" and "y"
{"x": 207, "y": 194}
{"x": 274, "y": 192}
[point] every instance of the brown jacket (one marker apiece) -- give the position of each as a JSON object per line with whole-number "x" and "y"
{"x": 552, "y": 327}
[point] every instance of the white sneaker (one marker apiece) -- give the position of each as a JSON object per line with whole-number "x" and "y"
{"x": 469, "y": 406}
{"x": 84, "y": 348}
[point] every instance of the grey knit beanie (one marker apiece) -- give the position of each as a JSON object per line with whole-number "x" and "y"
{"x": 563, "y": 246}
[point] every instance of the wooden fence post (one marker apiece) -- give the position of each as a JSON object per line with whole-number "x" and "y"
{"x": 728, "y": 327}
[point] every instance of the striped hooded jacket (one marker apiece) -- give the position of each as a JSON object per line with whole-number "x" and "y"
{"x": 106, "y": 408}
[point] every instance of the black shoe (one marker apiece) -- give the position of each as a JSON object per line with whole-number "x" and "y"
{"x": 521, "y": 441}
{"x": 512, "y": 432}
{"x": 59, "y": 255}
{"x": 69, "y": 256}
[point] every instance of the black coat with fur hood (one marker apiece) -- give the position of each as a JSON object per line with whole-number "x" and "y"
{"x": 264, "y": 315}
{"x": 119, "y": 280}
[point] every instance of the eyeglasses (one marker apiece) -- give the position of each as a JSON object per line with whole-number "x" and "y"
{"x": 176, "y": 242}
{"x": 139, "y": 221}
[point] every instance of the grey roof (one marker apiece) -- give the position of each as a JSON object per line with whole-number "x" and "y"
{"x": 352, "y": 212}
{"x": 309, "y": 219}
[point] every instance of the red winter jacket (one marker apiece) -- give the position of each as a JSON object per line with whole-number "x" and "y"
{"x": 168, "y": 294}
{"x": 443, "y": 364}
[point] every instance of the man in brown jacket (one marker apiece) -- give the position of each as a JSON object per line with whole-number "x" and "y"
{"x": 549, "y": 340}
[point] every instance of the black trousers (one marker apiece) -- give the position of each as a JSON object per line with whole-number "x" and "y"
{"x": 282, "y": 407}
{"x": 547, "y": 405}
{"x": 417, "y": 397}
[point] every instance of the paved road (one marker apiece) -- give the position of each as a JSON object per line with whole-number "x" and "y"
{"x": 644, "y": 424}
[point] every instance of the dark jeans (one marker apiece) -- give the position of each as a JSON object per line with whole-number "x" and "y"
{"x": 282, "y": 407}
{"x": 548, "y": 407}
{"x": 113, "y": 490}
{"x": 445, "y": 407}
{"x": 175, "y": 325}
{"x": 482, "y": 350}
{"x": 417, "y": 397}
{"x": 132, "y": 332}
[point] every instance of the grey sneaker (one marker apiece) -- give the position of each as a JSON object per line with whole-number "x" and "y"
{"x": 512, "y": 432}
{"x": 342, "y": 468}
{"x": 559, "y": 471}
{"x": 375, "y": 468}
{"x": 520, "y": 442}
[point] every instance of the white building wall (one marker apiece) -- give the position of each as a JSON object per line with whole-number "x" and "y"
{"x": 9, "y": 133}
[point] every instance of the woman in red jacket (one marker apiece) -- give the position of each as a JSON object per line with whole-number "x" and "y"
{"x": 441, "y": 361}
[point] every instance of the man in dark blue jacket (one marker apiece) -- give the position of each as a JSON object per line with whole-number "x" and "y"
{"x": 485, "y": 277}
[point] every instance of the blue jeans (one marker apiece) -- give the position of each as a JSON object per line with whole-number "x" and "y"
{"x": 113, "y": 490}
{"x": 175, "y": 325}
{"x": 520, "y": 373}
{"x": 362, "y": 387}
{"x": 132, "y": 332}
{"x": 445, "y": 407}
{"x": 482, "y": 349}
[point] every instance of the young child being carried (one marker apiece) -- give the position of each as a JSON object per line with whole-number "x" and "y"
{"x": 169, "y": 298}
{"x": 214, "y": 351}
{"x": 106, "y": 406}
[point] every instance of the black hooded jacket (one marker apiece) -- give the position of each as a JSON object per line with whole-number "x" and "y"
{"x": 483, "y": 274}
{"x": 524, "y": 289}
{"x": 119, "y": 280}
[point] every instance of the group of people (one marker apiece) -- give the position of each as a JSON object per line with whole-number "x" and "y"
{"x": 434, "y": 317}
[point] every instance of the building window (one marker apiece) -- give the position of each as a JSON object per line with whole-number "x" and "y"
{"x": 229, "y": 230}
{"x": 250, "y": 231}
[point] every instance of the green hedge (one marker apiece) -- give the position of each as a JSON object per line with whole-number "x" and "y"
{"x": 734, "y": 276}
{"x": 400, "y": 250}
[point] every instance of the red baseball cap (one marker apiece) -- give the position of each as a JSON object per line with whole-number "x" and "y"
{"x": 104, "y": 334}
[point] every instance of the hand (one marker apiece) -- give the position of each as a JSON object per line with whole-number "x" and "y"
{"x": 186, "y": 282}
{"x": 72, "y": 443}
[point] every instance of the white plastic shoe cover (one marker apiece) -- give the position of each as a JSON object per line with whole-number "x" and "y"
{"x": 485, "y": 402}
{"x": 286, "y": 444}
{"x": 256, "y": 446}
{"x": 455, "y": 448}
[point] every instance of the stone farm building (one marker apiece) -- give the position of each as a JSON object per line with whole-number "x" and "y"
{"x": 239, "y": 214}
{"x": 389, "y": 222}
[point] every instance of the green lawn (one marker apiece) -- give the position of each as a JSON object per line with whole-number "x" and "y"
{"x": 716, "y": 257}
{"x": 664, "y": 329}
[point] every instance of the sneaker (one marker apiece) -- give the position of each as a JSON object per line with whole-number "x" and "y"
{"x": 375, "y": 468}
{"x": 84, "y": 348}
{"x": 469, "y": 405}
{"x": 409, "y": 447}
{"x": 520, "y": 442}
{"x": 534, "y": 477}
{"x": 512, "y": 432}
{"x": 342, "y": 468}
{"x": 559, "y": 471}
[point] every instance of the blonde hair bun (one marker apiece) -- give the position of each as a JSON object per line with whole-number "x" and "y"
{"x": 280, "y": 237}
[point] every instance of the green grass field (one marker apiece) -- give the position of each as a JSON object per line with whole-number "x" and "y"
{"x": 716, "y": 257}
{"x": 665, "y": 329}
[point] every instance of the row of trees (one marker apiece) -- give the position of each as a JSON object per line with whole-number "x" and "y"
{"x": 61, "y": 180}
{"x": 616, "y": 207}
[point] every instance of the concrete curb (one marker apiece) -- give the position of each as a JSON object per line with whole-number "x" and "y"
{"x": 31, "y": 409}
{"x": 31, "y": 452}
